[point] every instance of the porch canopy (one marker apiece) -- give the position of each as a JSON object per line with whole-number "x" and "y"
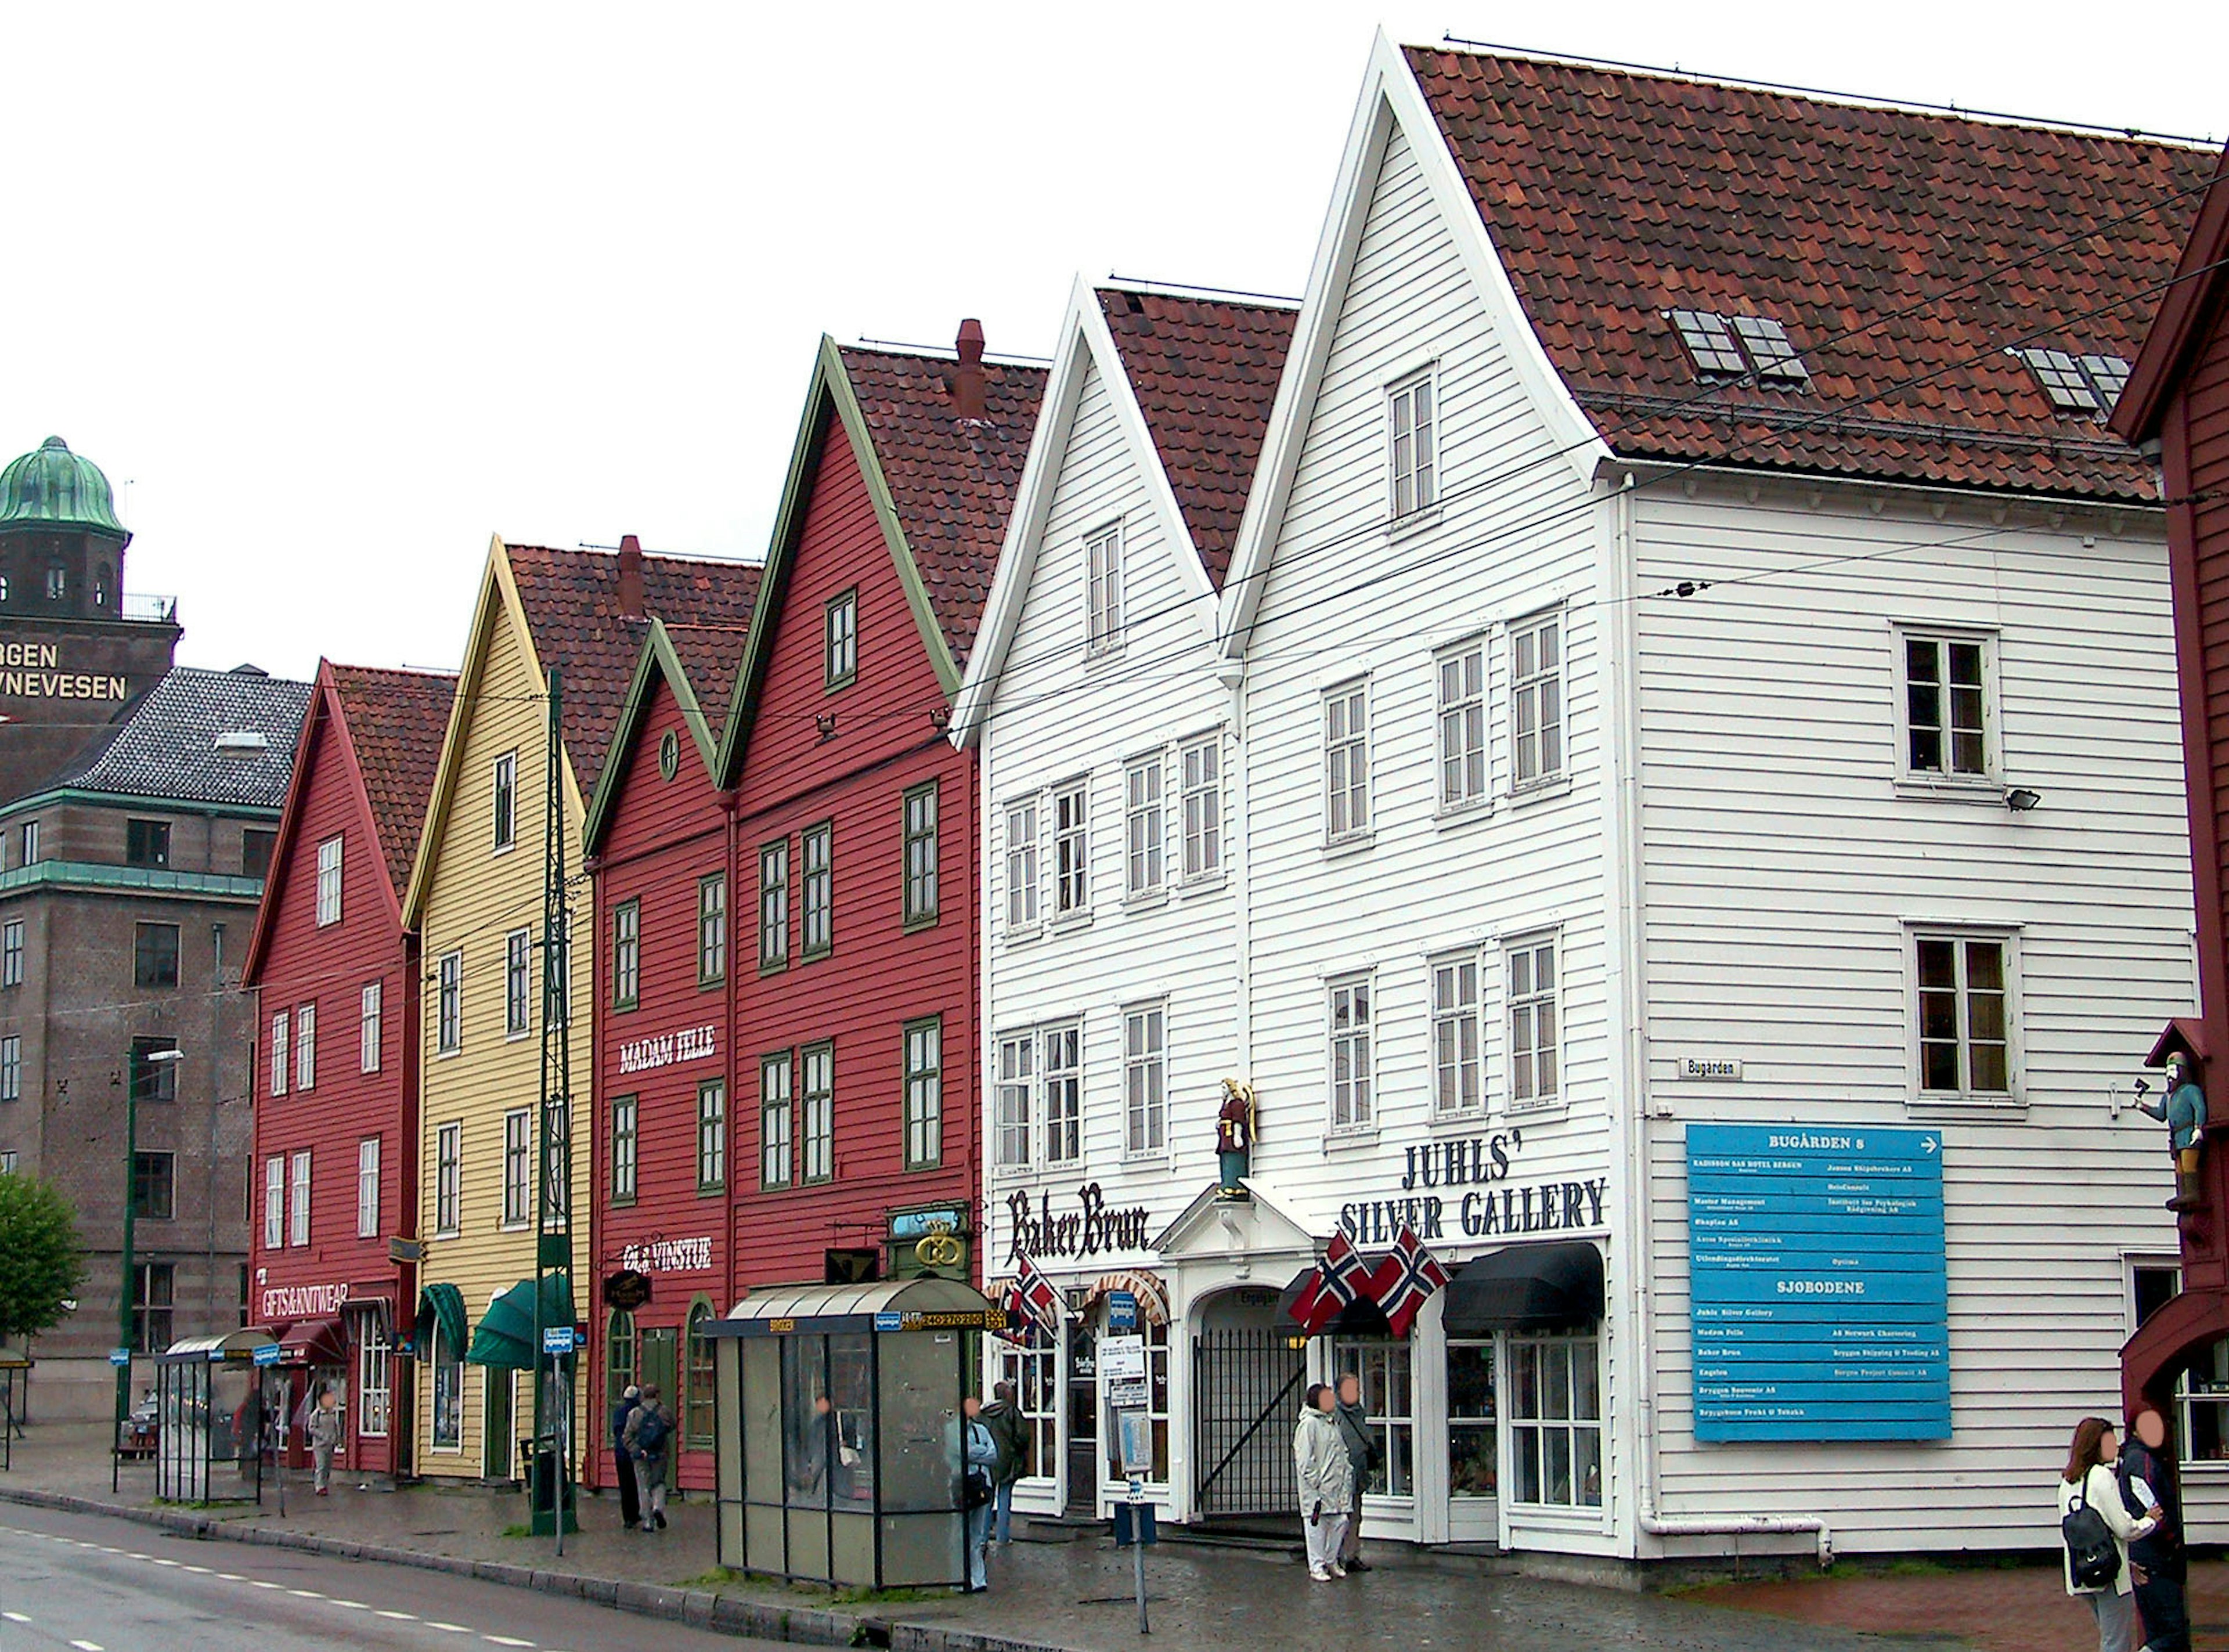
{"x": 1526, "y": 1288}
{"x": 1361, "y": 1317}
{"x": 441, "y": 1306}
{"x": 314, "y": 1342}
{"x": 506, "y": 1338}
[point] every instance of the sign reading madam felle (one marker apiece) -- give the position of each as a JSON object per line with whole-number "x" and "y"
{"x": 668, "y": 1049}
{"x": 1492, "y": 1204}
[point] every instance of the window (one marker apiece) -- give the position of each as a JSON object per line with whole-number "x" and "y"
{"x": 1718, "y": 342}
{"x": 57, "y": 581}
{"x": 620, "y": 1360}
{"x": 367, "y": 1188}
{"x": 8, "y": 1156}
{"x": 275, "y": 1201}
{"x": 449, "y": 1001}
{"x": 1536, "y": 701}
{"x": 1142, "y": 827}
{"x": 1064, "y": 1094}
{"x": 2089, "y": 384}
{"x": 1346, "y": 762}
{"x": 773, "y": 905}
{"x": 11, "y": 953}
{"x": 1455, "y": 1083}
{"x": 1534, "y": 1025}
{"x": 1946, "y": 706}
{"x": 154, "y": 1185}
{"x": 506, "y": 789}
{"x": 518, "y": 1166}
{"x": 1389, "y": 1391}
{"x": 1145, "y": 1079}
{"x": 1035, "y": 1374}
{"x": 146, "y": 843}
{"x": 1410, "y": 445}
{"x": 819, "y": 1143}
{"x": 776, "y": 1097}
{"x": 448, "y": 1179}
{"x": 921, "y": 854}
{"x": 1012, "y": 1098}
{"x": 816, "y": 851}
{"x": 627, "y": 954}
{"x": 1351, "y": 1071}
{"x": 30, "y": 842}
{"x": 11, "y": 1068}
{"x": 697, "y": 1405}
{"x": 841, "y": 651}
{"x": 1474, "y": 1436}
{"x": 517, "y": 983}
{"x": 448, "y": 1365}
{"x": 924, "y": 1094}
{"x": 305, "y": 1047}
{"x": 329, "y": 882}
{"x": 711, "y": 1134}
{"x": 625, "y": 1117}
{"x": 1071, "y": 849}
{"x": 1462, "y": 725}
{"x": 153, "y": 1080}
{"x": 375, "y": 1383}
{"x": 712, "y": 929}
{"x": 1202, "y": 761}
{"x": 155, "y": 955}
{"x": 298, "y": 1201}
{"x": 1774, "y": 357}
{"x": 1555, "y": 1421}
{"x": 1022, "y": 866}
{"x": 282, "y": 1025}
{"x": 369, "y": 1032}
{"x": 255, "y": 846}
{"x": 154, "y": 1293}
{"x": 1102, "y": 600}
{"x": 1965, "y": 1045}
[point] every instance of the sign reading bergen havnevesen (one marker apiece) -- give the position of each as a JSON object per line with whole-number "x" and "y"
{"x": 1820, "y": 1296}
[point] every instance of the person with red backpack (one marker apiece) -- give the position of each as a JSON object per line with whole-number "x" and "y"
{"x": 2097, "y": 1530}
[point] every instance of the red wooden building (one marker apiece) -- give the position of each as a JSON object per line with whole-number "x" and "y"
{"x": 336, "y": 1070}
{"x": 2176, "y": 405}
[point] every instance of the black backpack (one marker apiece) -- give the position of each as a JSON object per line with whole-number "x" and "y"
{"x": 2093, "y": 1558}
{"x": 651, "y": 1430}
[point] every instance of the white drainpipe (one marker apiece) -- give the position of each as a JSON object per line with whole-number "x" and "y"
{"x": 1743, "y": 1525}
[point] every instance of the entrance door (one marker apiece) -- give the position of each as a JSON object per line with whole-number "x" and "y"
{"x": 660, "y": 1363}
{"x": 1246, "y": 1384}
{"x": 1083, "y": 1420}
{"x": 496, "y": 1444}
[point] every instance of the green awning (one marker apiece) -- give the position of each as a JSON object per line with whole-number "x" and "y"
{"x": 506, "y": 1337}
{"x": 442, "y": 1306}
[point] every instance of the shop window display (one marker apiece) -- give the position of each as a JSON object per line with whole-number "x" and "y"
{"x": 1389, "y": 1398}
{"x": 1555, "y": 1421}
{"x": 1474, "y": 1445}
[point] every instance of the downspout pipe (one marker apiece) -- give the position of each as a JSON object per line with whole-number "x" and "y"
{"x": 1744, "y": 1525}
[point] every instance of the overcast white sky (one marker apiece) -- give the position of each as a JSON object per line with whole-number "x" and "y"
{"x": 340, "y": 291}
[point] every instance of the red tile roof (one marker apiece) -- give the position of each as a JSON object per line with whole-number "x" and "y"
{"x": 1904, "y": 253}
{"x": 711, "y": 655}
{"x": 572, "y": 602}
{"x": 952, "y": 480}
{"x": 1204, "y": 371}
{"x": 397, "y": 721}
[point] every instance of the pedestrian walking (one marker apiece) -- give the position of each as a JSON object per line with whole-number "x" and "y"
{"x": 978, "y": 1487}
{"x": 1004, "y": 1418}
{"x": 327, "y": 1426}
{"x": 1327, "y": 1476}
{"x": 2097, "y": 1530}
{"x": 623, "y": 1465}
{"x": 2157, "y": 1564}
{"x": 1365, "y": 1454}
{"x": 649, "y": 1431}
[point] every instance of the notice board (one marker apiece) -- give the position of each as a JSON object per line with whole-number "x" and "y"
{"x": 1819, "y": 1295}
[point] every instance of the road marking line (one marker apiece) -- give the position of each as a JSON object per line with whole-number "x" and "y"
{"x": 202, "y": 1571}
{"x": 353, "y": 1606}
{"x": 14, "y": 1617}
{"x": 88, "y": 1646}
{"x": 449, "y": 1629}
{"x": 258, "y": 1583}
{"x": 232, "y": 1576}
{"x": 307, "y": 1594}
{"x": 160, "y": 1561}
{"x": 505, "y": 1640}
{"x": 400, "y": 1617}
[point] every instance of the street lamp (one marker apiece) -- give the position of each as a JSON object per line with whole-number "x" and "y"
{"x": 123, "y": 1328}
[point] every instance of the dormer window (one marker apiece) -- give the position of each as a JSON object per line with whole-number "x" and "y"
{"x": 1725, "y": 346}
{"x": 2088, "y": 384}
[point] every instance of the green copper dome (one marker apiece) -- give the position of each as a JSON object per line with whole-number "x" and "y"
{"x": 55, "y": 488}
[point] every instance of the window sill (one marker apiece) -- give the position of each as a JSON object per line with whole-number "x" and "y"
{"x": 1205, "y": 883}
{"x": 773, "y": 969}
{"x": 1456, "y": 816}
{"x": 615, "y": 1202}
{"x": 925, "y": 921}
{"x": 1557, "y": 785}
{"x": 521, "y": 1226}
{"x": 821, "y": 955}
{"x": 1399, "y": 528}
{"x": 1148, "y": 901}
{"x": 450, "y": 1054}
{"x": 1070, "y": 920}
{"x": 1147, "y": 1158}
{"x": 1529, "y": 1110}
{"x": 711, "y": 1190}
{"x": 1458, "y": 1118}
{"x": 1101, "y": 654}
{"x": 1022, "y": 937}
{"x": 1937, "y": 789}
{"x": 1966, "y": 1106}
{"x": 1354, "y": 843}
{"x": 706, "y": 984}
{"x": 1366, "y": 1136}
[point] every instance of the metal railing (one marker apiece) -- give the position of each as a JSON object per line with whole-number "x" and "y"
{"x": 141, "y": 605}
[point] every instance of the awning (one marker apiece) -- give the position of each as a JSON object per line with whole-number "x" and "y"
{"x": 231, "y": 1346}
{"x": 442, "y": 1306}
{"x": 1359, "y": 1318}
{"x": 506, "y": 1337}
{"x": 1526, "y": 1288}
{"x": 314, "y": 1342}
{"x": 925, "y": 1302}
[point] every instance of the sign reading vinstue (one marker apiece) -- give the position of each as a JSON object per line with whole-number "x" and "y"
{"x": 670, "y": 1048}
{"x": 668, "y": 1255}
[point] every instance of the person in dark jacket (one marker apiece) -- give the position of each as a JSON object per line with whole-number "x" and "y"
{"x": 630, "y": 1495}
{"x": 2156, "y": 1563}
{"x": 1354, "y": 1434}
{"x": 1004, "y": 1418}
{"x": 648, "y": 1433}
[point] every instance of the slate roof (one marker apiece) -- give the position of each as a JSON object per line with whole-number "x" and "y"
{"x": 572, "y": 603}
{"x": 164, "y": 746}
{"x": 711, "y": 656}
{"x": 1890, "y": 243}
{"x": 952, "y": 480}
{"x": 396, "y": 722}
{"x": 1204, "y": 371}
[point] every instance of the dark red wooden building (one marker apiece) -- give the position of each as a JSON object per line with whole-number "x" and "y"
{"x": 334, "y": 1172}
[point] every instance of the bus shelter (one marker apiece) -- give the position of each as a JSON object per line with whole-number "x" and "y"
{"x": 840, "y": 1459}
{"x": 208, "y": 1399}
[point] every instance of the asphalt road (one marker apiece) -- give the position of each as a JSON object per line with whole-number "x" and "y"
{"x": 94, "y": 1585}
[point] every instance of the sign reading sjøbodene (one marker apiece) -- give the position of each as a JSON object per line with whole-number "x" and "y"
{"x": 1820, "y": 1299}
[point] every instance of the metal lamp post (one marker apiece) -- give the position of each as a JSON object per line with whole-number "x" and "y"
{"x": 124, "y": 1326}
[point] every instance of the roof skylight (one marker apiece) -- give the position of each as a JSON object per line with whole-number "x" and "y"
{"x": 1736, "y": 346}
{"x": 2075, "y": 384}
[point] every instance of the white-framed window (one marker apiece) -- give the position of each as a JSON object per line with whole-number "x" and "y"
{"x": 11, "y": 953}
{"x": 305, "y": 1047}
{"x": 1965, "y": 1013}
{"x": 777, "y": 1103}
{"x": 275, "y": 1201}
{"x": 1473, "y": 1419}
{"x": 1536, "y": 700}
{"x": 924, "y": 1094}
{"x": 503, "y": 788}
{"x": 1037, "y": 1096}
{"x": 448, "y": 1179}
{"x": 1458, "y": 1086}
{"x": 1412, "y": 445}
{"x": 1022, "y": 866}
{"x": 1071, "y": 849}
{"x": 1035, "y": 1374}
{"x": 298, "y": 1232}
{"x": 626, "y": 1117}
{"x": 1460, "y": 708}
{"x": 1201, "y": 784}
{"x": 1346, "y": 760}
{"x": 31, "y": 843}
{"x": 282, "y": 1023}
{"x": 773, "y": 905}
{"x": 1142, "y": 827}
{"x": 375, "y": 1384}
{"x": 1062, "y": 1065}
{"x": 367, "y": 1188}
{"x": 1554, "y": 1392}
{"x": 1103, "y": 597}
{"x": 711, "y": 1134}
{"x": 818, "y": 1138}
{"x": 1353, "y": 1070}
{"x": 370, "y": 1017}
{"x": 1947, "y": 701}
{"x": 518, "y": 1166}
{"x": 1536, "y": 1020}
{"x": 517, "y": 983}
{"x": 1387, "y": 1372}
{"x": 1014, "y": 1099}
{"x": 839, "y": 654}
{"x": 448, "y": 1363}
{"x": 712, "y": 925}
{"x": 329, "y": 882}
{"x": 627, "y": 954}
{"x": 1146, "y": 1078}
{"x": 449, "y": 1004}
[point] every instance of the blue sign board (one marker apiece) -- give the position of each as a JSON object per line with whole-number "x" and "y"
{"x": 919, "y": 1224}
{"x": 119, "y": 1356}
{"x": 266, "y": 1354}
{"x": 886, "y": 1321}
{"x": 1121, "y": 1311}
{"x": 556, "y": 1339}
{"x": 1820, "y": 1297}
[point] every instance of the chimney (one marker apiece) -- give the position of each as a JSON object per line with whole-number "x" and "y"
{"x": 967, "y": 381}
{"x": 630, "y": 577}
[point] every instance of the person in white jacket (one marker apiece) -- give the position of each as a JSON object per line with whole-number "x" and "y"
{"x": 1326, "y": 1481}
{"x": 2090, "y": 1478}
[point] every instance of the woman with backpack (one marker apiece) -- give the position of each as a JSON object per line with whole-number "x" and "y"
{"x": 2097, "y": 1530}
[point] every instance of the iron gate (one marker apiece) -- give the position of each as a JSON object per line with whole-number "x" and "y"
{"x": 1246, "y": 1402}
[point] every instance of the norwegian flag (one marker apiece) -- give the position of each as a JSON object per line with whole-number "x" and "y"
{"x": 1340, "y": 1281}
{"x": 1405, "y": 1280}
{"x": 1019, "y": 1327}
{"x": 1033, "y": 1298}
